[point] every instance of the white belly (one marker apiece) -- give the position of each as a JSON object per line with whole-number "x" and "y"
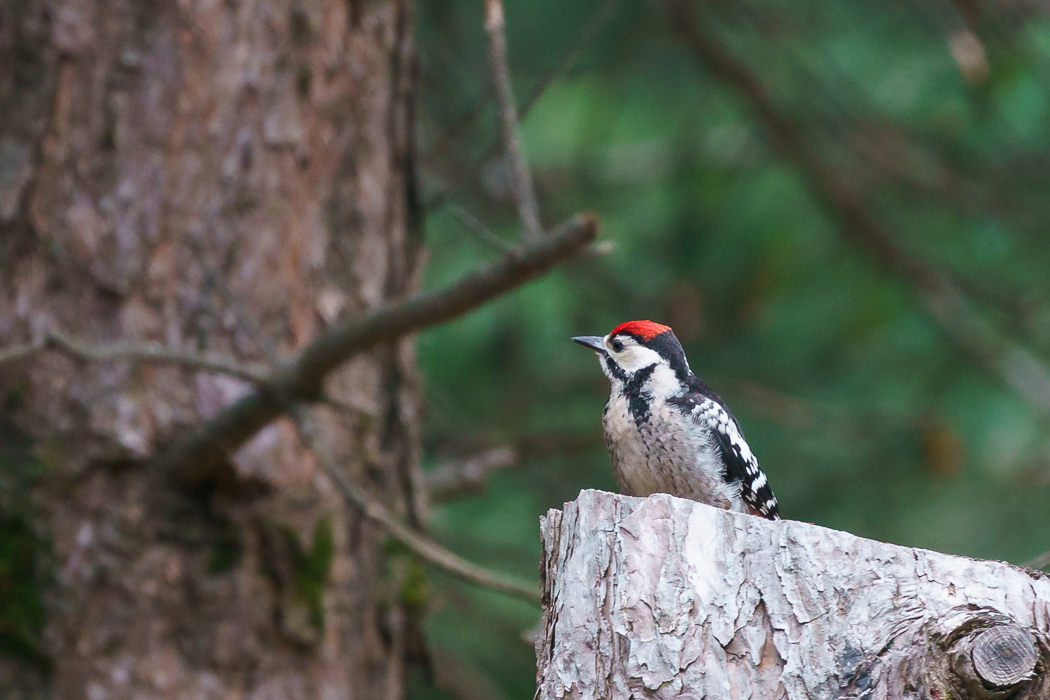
{"x": 664, "y": 456}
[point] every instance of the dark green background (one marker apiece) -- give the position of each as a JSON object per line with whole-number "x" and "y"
{"x": 865, "y": 414}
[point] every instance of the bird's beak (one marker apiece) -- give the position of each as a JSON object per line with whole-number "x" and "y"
{"x": 594, "y": 342}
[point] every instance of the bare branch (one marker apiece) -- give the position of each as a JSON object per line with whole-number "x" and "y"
{"x": 485, "y": 234}
{"x": 146, "y": 353}
{"x": 12, "y": 353}
{"x": 427, "y": 549}
{"x": 517, "y": 165}
{"x": 535, "y": 445}
{"x": 198, "y": 458}
{"x": 467, "y": 476}
{"x": 1040, "y": 562}
{"x": 944, "y": 302}
{"x": 156, "y": 354}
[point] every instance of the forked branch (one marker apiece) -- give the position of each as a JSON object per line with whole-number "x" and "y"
{"x": 198, "y": 458}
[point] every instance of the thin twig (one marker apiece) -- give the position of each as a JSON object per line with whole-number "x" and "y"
{"x": 427, "y": 549}
{"x": 155, "y": 354}
{"x": 517, "y": 165}
{"x": 467, "y": 476}
{"x": 147, "y": 353}
{"x": 944, "y": 302}
{"x": 471, "y": 222}
{"x": 197, "y": 458}
{"x": 587, "y": 33}
{"x": 590, "y": 30}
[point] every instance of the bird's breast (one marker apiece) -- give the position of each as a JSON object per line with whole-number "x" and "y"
{"x": 627, "y": 448}
{"x": 662, "y": 453}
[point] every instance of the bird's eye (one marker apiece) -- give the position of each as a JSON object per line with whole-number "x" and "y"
{"x": 617, "y": 345}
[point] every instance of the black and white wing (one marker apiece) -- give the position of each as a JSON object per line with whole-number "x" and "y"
{"x": 741, "y": 465}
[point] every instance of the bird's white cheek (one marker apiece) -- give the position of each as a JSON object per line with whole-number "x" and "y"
{"x": 635, "y": 358}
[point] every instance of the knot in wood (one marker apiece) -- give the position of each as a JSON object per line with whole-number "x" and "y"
{"x": 1004, "y": 655}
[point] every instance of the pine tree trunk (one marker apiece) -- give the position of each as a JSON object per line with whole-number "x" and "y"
{"x": 214, "y": 176}
{"x": 667, "y": 598}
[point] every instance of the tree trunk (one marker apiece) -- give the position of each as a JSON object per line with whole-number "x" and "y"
{"x": 229, "y": 177}
{"x": 667, "y": 598}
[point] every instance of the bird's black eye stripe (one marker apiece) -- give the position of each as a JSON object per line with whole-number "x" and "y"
{"x": 617, "y": 345}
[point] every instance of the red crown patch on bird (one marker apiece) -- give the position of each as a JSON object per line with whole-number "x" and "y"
{"x": 646, "y": 330}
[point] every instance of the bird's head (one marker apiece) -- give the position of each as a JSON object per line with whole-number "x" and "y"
{"x": 639, "y": 348}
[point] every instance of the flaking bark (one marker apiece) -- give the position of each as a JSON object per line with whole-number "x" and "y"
{"x": 667, "y": 598}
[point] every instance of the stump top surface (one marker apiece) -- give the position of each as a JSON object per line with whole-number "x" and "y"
{"x": 1004, "y": 655}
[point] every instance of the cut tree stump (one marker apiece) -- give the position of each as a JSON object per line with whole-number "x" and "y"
{"x": 667, "y": 598}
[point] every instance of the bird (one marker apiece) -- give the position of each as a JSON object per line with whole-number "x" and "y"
{"x": 667, "y": 431}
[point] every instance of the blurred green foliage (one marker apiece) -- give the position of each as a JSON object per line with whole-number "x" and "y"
{"x": 866, "y": 415}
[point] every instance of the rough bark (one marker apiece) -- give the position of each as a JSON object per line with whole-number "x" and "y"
{"x": 667, "y": 598}
{"x": 228, "y": 177}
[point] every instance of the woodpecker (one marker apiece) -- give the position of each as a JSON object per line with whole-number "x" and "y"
{"x": 666, "y": 431}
